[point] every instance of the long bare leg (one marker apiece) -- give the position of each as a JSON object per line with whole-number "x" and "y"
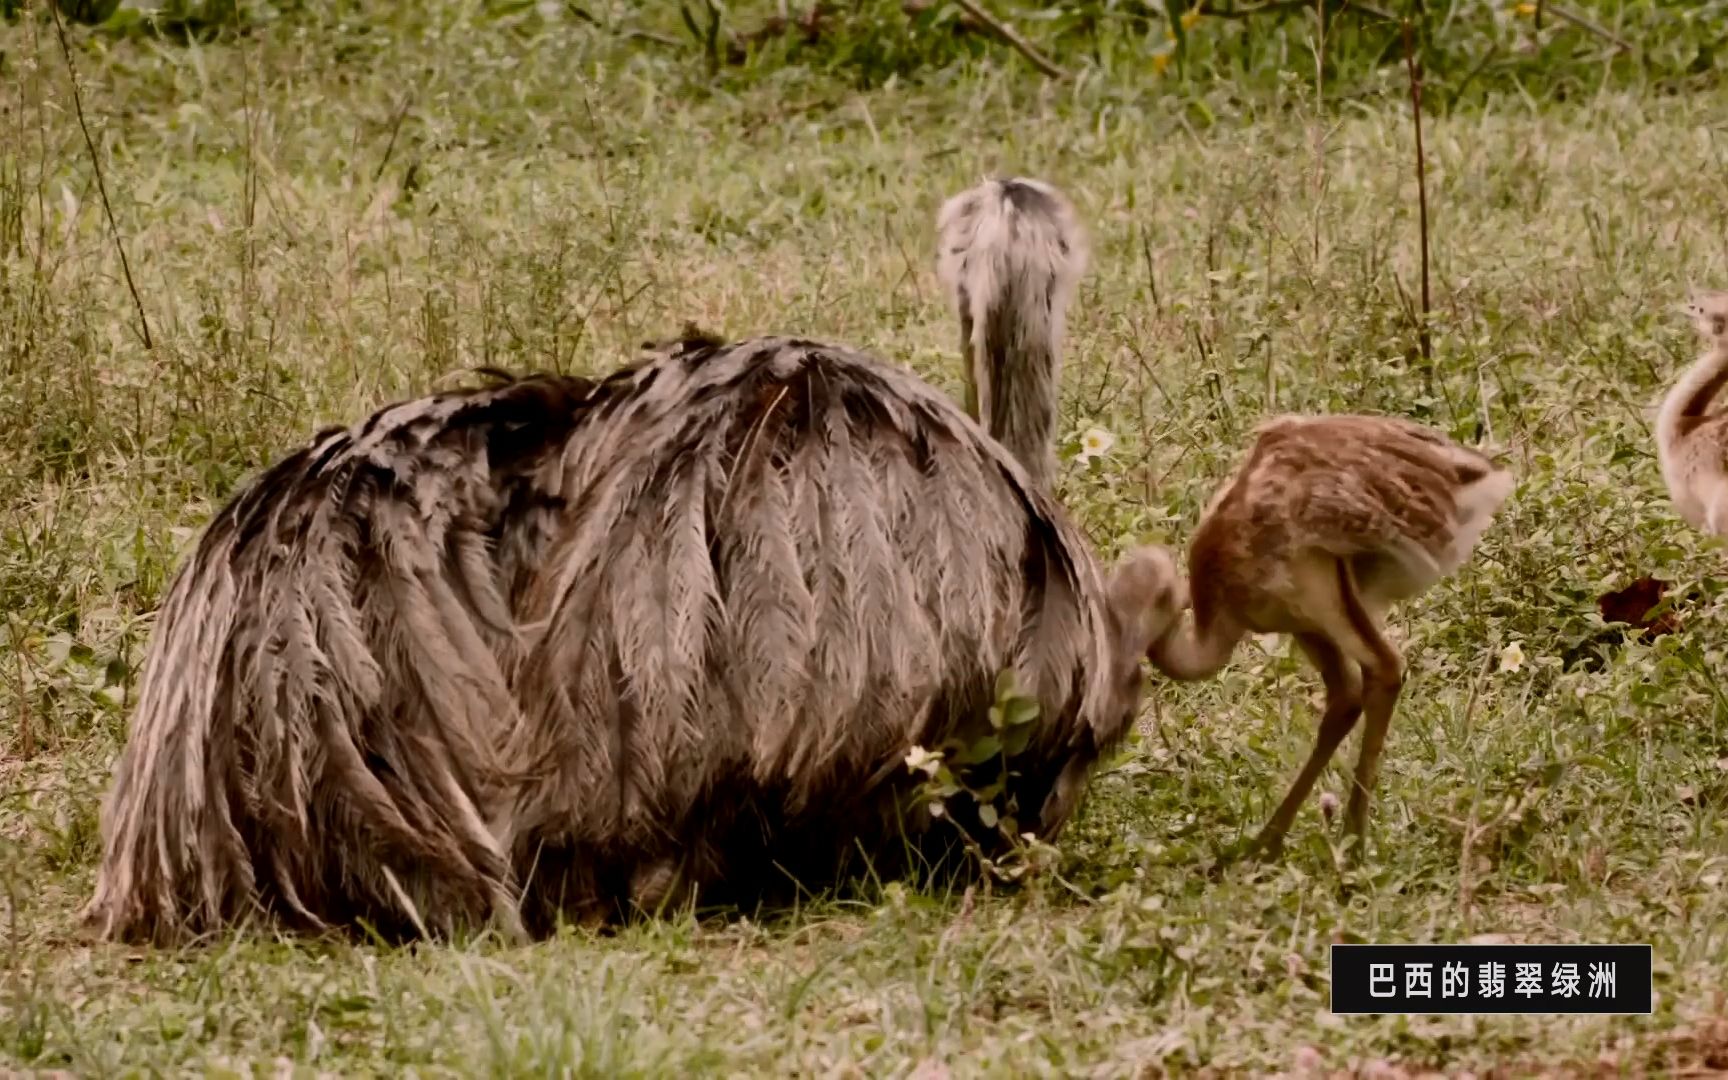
{"x": 1343, "y": 706}
{"x": 1380, "y": 697}
{"x": 1383, "y": 680}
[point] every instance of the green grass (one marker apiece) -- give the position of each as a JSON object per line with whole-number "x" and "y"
{"x": 322, "y": 217}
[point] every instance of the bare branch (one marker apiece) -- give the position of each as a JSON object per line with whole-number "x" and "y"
{"x": 1421, "y": 185}
{"x": 1568, "y": 15}
{"x": 1012, "y": 37}
{"x": 101, "y": 186}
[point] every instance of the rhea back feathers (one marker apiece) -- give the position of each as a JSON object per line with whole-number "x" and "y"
{"x": 807, "y": 563}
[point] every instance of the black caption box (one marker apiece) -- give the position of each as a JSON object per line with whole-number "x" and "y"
{"x": 1612, "y": 979}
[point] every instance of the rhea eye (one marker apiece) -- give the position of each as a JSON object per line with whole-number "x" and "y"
{"x": 1719, "y": 324}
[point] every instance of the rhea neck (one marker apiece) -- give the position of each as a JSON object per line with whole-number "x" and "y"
{"x": 1012, "y": 373}
{"x": 1688, "y": 402}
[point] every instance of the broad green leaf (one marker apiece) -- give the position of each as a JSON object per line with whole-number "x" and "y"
{"x": 1021, "y": 711}
{"x": 1015, "y": 739}
{"x": 980, "y": 751}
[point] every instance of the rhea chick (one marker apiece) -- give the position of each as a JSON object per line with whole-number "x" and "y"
{"x": 1692, "y": 441}
{"x": 1327, "y": 522}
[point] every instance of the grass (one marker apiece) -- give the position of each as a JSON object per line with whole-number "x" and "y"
{"x": 329, "y": 214}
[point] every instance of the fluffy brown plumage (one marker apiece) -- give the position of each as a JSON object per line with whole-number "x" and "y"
{"x": 561, "y": 649}
{"x": 1692, "y": 441}
{"x": 1327, "y": 522}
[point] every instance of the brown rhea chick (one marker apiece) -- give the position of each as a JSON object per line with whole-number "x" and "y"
{"x": 1147, "y": 596}
{"x": 1691, "y": 440}
{"x": 1327, "y": 523}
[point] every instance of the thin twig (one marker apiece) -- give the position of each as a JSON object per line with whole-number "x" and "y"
{"x": 1421, "y": 186}
{"x": 395, "y": 130}
{"x": 1012, "y": 37}
{"x": 249, "y": 216}
{"x": 1151, "y": 270}
{"x": 1488, "y": 57}
{"x": 658, "y": 39}
{"x": 101, "y": 186}
{"x": 1319, "y": 132}
{"x": 1595, "y": 28}
{"x": 26, "y": 730}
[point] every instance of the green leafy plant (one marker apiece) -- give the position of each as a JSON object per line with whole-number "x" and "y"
{"x": 982, "y": 770}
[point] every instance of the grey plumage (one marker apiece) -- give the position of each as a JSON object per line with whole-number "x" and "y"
{"x": 1013, "y": 252}
{"x": 559, "y": 649}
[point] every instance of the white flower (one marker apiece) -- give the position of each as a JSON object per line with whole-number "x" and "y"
{"x": 1512, "y": 657}
{"x": 1095, "y": 443}
{"x": 921, "y": 760}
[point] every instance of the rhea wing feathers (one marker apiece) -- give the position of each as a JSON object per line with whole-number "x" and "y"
{"x": 318, "y": 723}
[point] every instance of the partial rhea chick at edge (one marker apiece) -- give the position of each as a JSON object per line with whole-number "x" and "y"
{"x": 1692, "y": 441}
{"x": 1328, "y": 522}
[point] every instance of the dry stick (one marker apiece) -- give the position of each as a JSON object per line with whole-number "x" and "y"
{"x": 1421, "y": 186}
{"x": 26, "y": 730}
{"x": 1319, "y": 131}
{"x": 1011, "y": 36}
{"x": 658, "y": 39}
{"x": 1151, "y": 271}
{"x": 1595, "y": 28}
{"x": 96, "y": 164}
{"x": 395, "y": 130}
{"x": 249, "y": 192}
